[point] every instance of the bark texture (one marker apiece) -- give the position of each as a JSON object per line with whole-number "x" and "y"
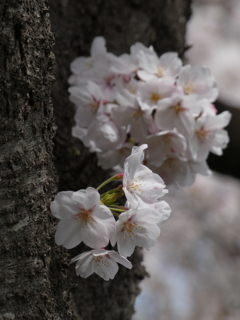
{"x": 31, "y": 276}
{"x": 75, "y": 23}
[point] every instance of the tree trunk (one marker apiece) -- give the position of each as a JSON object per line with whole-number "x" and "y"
{"x": 35, "y": 277}
{"x": 32, "y": 281}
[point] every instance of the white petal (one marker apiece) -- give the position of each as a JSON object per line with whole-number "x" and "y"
{"x": 120, "y": 259}
{"x": 126, "y": 245}
{"x": 98, "y": 47}
{"x": 97, "y": 233}
{"x": 68, "y": 233}
{"x": 84, "y": 266}
{"x": 63, "y": 205}
{"x": 147, "y": 235}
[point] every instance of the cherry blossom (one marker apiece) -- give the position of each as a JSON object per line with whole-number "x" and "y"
{"x": 165, "y": 144}
{"x": 209, "y": 135}
{"x": 102, "y": 262}
{"x": 103, "y": 134}
{"x": 198, "y": 80}
{"x": 139, "y": 181}
{"x": 156, "y": 90}
{"x": 141, "y": 98}
{"x": 132, "y": 113}
{"x": 178, "y": 112}
{"x": 114, "y": 157}
{"x": 82, "y": 64}
{"x": 168, "y": 65}
{"x": 83, "y": 218}
{"x": 136, "y": 227}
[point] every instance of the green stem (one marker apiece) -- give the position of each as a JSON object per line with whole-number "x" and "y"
{"x": 111, "y": 191}
{"x": 116, "y": 209}
{"x": 106, "y": 182}
{"x": 116, "y": 177}
{"x": 119, "y": 207}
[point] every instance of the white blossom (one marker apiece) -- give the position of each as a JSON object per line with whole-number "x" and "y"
{"x": 165, "y": 144}
{"x": 136, "y": 227}
{"x": 178, "y": 112}
{"x": 139, "y": 181}
{"x": 83, "y": 64}
{"x": 103, "y": 262}
{"x": 209, "y": 135}
{"x": 114, "y": 157}
{"x": 83, "y": 218}
{"x": 102, "y": 135}
{"x": 168, "y": 65}
{"x": 198, "y": 80}
{"x": 131, "y": 113}
{"x": 88, "y": 100}
{"x": 180, "y": 172}
{"x": 156, "y": 90}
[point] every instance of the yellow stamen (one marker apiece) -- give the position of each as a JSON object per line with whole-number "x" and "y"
{"x": 130, "y": 228}
{"x": 94, "y": 106}
{"x": 155, "y": 96}
{"x": 160, "y": 73}
{"x": 100, "y": 260}
{"x": 202, "y": 134}
{"x": 178, "y": 108}
{"x": 84, "y": 216}
{"x": 135, "y": 185}
{"x": 137, "y": 114}
{"x": 188, "y": 89}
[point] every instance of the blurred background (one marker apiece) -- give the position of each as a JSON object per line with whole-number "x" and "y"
{"x": 195, "y": 268}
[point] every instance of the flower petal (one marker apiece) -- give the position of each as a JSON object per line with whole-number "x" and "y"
{"x": 68, "y": 233}
{"x": 63, "y": 205}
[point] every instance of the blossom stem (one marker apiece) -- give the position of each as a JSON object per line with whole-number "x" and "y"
{"x": 116, "y": 177}
{"x": 116, "y": 209}
{"x": 111, "y": 191}
{"x": 119, "y": 207}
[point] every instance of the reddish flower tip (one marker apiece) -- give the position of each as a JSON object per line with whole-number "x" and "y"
{"x": 119, "y": 176}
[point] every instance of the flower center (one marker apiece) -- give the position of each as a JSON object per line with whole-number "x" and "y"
{"x": 160, "y": 73}
{"x": 178, "y": 108}
{"x": 84, "y": 216}
{"x": 202, "y": 134}
{"x": 134, "y": 186}
{"x": 108, "y": 81}
{"x": 188, "y": 89}
{"x": 100, "y": 260}
{"x": 94, "y": 105}
{"x": 137, "y": 114}
{"x": 155, "y": 96}
{"x": 131, "y": 228}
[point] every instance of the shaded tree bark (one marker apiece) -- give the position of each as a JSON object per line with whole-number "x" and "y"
{"x": 31, "y": 276}
{"x": 35, "y": 277}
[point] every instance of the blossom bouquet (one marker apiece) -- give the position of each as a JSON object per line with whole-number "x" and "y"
{"x": 125, "y": 105}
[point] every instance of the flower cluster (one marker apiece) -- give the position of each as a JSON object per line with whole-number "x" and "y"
{"x": 142, "y": 98}
{"x": 88, "y": 217}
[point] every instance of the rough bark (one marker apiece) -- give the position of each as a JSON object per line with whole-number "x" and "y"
{"x": 75, "y": 23}
{"x": 32, "y": 276}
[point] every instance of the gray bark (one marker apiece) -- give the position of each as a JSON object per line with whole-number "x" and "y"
{"x": 35, "y": 276}
{"x": 32, "y": 272}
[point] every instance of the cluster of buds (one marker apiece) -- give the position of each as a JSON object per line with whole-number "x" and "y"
{"x": 141, "y": 98}
{"x": 96, "y": 219}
